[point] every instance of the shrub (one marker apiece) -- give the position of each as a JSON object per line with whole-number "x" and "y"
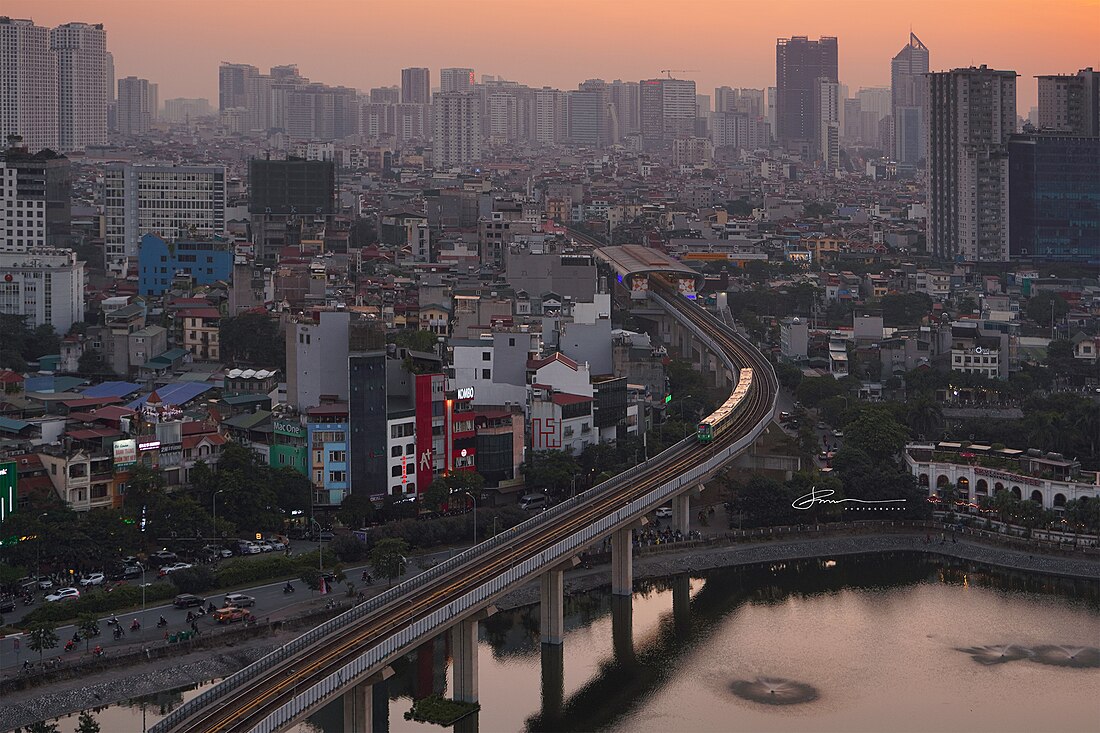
{"x": 349, "y": 548}
{"x": 194, "y": 580}
{"x": 99, "y": 602}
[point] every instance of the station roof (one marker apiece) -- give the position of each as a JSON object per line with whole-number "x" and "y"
{"x": 634, "y": 259}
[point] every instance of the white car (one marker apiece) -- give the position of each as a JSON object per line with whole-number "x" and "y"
{"x": 838, "y": 433}
{"x": 276, "y": 545}
{"x": 265, "y": 546}
{"x": 93, "y": 579}
{"x": 240, "y": 600}
{"x": 62, "y": 594}
{"x": 664, "y": 512}
{"x": 174, "y": 567}
{"x": 45, "y": 583}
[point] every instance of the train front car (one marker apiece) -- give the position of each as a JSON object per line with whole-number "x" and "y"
{"x": 705, "y": 433}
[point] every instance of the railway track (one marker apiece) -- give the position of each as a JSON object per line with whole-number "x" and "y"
{"x": 243, "y": 708}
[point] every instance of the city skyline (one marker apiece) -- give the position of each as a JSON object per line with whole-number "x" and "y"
{"x": 727, "y": 49}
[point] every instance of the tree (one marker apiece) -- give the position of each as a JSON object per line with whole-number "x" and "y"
{"x": 877, "y": 433}
{"x": 417, "y": 340}
{"x": 813, "y": 390}
{"x": 1059, "y": 350}
{"x": 43, "y": 727}
{"x": 388, "y": 557}
{"x": 1041, "y": 306}
{"x": 925, "y": 417}
{"x": 356, "y": 511}
{"x": 905, "y": 309}
{"x": 967, "y": 305}
{"x": 253, "y": 339}
{"x": 43, "y": 637}
{"x": 437, "y": 494}
{"x": 86, "y": 723}
{"x": 550, "y": 471}
{"x": 88, "y": 625}
{"x": 763, "y": 500}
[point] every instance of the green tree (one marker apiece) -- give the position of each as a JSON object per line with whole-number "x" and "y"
{"x": 356, "y": 511}
{"x": 86, "y": 723}
{"x": 416, "y": 340}
{"x": 1060, "y": 351}
{"x": 905, "y": 309}
{"x": 388, "y": 557}
{"x": 1042, "y": 305}
{"x": 877, "y": 433}
{"x": 967, "y": 305}
{"x": 253, "y": 339}
{"x": 93, "y": 364}
{"x": 42, "y": 637}
{"x": 764, "y": 501}
{"x": 437, "y": 494}
{"x": 812, "y": 391}
{"x": 549, "y": 471}
{"x": 88, "y": 625}
{"x": 925, "y": 417}
{"x": 43, "y": 727}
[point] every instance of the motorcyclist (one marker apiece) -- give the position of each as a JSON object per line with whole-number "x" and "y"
{"x": 288, "y": 588}
{"x": 135, "y": 625}
{"x": 98, "y": 651}
{"x": 162, "y": 622}
{"x": 210, "y": 607}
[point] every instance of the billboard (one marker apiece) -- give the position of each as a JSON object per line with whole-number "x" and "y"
{"x": 125, "y": 452}
{"x": 9, "y": 489}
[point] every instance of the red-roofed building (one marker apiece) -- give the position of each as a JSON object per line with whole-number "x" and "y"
{"x": 561, "y": 421}
{"x": 11, "y": 382}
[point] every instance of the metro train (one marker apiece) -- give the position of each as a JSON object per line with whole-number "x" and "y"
{"x": 719, "y": 421}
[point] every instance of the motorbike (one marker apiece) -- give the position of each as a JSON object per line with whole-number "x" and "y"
{"x": 98, "y": 651}
{"x": 119, "y": 632}
{"x": 210, "y": 608}
{"x": 288, "y": 588}
{"x": 113, "y": 621}
{"x": 162, "y": 622}
{"x": 69, "y": 645}
{"x": 135, "y": 626}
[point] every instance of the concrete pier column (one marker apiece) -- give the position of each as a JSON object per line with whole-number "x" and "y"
{"x": 681, "y": 512}
{"x": 359, "y": 709}
{"x": 622, "y": 563}
{"x": 464, "y": 649}
{"x": 551, "y": 607}
{"x": 553, "y": 682}
{"x": 622, "y": 629}
{"x": 681, "y": 604}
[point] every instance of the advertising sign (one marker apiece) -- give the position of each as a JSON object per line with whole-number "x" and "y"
{"x": 9, "y": 487}
{"x": 286, "y": 427}
{"x": 125, "y": 452}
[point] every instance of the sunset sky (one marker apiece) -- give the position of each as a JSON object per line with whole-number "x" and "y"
{"x": 364, "y": 43}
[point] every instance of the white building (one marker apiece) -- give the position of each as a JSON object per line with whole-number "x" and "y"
{"x": 457, "y": 129}
{"x": 137, "y": 105}
{"x": 28, "y": 84}
{"x": 317, "y": 359}
{"x": 456, "y": 80}
{"x": 80, "y": 51}
{"x": 174, "y": 201}
{"x": 401, "y": 456}
{"x": 45, "y": 285}
{"x": 829, "y": 124}
{"x": 678, "y": 106}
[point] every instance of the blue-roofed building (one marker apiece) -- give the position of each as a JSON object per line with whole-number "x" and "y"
{"x": 111, "y": 389}
{"x": 177, "y": 393}
{"x": 206, "y": 261}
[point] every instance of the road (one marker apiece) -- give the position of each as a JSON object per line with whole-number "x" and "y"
{"x": 269, "y": 599}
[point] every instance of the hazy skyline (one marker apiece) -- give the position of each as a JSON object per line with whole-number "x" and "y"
{"x": 563, "y": 42}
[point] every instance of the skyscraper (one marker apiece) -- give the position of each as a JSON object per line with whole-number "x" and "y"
{"x": 456, "y": 80}
{"x": 550, "y": 115}
{"x": 588, "y": 117}
{"x": 1070, "y": 103}
{"x": 799, "y": 63}
{"x": 233, "y": 85}
{"x": 457, "y": 128}
{"x": 969, "y": 116}
{"x": 624, "y": 100}
{"x": 28, "y": 80}
{"x": 828, "y": 108}
{"x": 136, "y": 105}
{"x": 80, "y": 52}
{"x": 35, "y": 199}
{"x": 907, "y": 70}
{"x": 416, "y": 86}
{"x": 667, "y": 108}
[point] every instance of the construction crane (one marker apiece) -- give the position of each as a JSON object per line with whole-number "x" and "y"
{"x": 670, "y": 72}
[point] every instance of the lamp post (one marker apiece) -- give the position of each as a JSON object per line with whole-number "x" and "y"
{"x": 474, "y": 500}
{"x": 141, "y": 631}
{"x": 495, "y": 518}
{"x": 214, "y": 507}
{"x": 38, "y": 555}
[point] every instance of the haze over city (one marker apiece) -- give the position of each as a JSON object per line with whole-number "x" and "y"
{"x": 562, "y": 43}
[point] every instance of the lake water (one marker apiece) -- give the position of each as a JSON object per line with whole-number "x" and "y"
{"x": 879, "y": 643}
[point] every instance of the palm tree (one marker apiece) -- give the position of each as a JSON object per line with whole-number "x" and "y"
{"x": 1005, "y": 502}
{"x": 1087, "y": 422}
{"x": 925, "y": 417}
{"x": 1042, "y": 430}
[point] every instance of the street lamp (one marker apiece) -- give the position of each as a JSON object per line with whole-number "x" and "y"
{"x": 473, "y": 499}
{"x": 141, "y": 631}
{"x": 214, "y": 506}
{"x": 38, "y": 554}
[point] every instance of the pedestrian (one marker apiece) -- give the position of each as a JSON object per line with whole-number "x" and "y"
{"x": 194, "y": 627}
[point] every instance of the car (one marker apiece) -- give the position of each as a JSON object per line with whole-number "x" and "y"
{"x": 248, "y": 548}
{"x": 229, "y": 614}
{"x": 822, "y": 455}
{"x": 533, "y": 502}
{"x": 129, "y": 560}
{"x": 240, "y": 600}
{"x": 45, "y": 583}
{"x": 93, "y": 579}
{"x": 265, "y": 546}
{"x": 664, "y": 512}
{"x": 164, "y": 556}
{"x": 7, "y": 604}
{"x": 277, "y": 545}
{"x": 325, "y": 536}
{"x": 187, "y": 600}
{"x": 838, "y": 433}
{"x": 784, "y": 416}
{"x": 63, "y": 594}
{"x": 822, "y": 426}
{"x": 174, "y": 567}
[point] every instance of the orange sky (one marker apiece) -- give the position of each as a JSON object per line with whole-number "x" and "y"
{"x": 364, "y": 43}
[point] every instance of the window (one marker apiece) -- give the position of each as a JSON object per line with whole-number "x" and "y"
{"x": 410, "y": 448}
{"x": 395, "y": 471}
{"x": 395, "y": 451}
{"x": 486, "y": 356}
{"x": 337, "y": 456}
{"x": 337, "y": 476}
{"x": 486, "y": 373}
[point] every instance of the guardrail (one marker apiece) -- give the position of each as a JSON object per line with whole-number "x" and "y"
{"x": 478, "y": 597}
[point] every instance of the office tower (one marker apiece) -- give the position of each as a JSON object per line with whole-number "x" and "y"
{"x": 750, "y": 101}
{"x": 624, "y": 96}
{"x": 874, "y": 107}
{"x": 725, "y": 99}
{"x": 1070, "y": 103}
{"x": 587, "y": 115}
{"x": 456, "y": 80}
{"x": 135, "y": 105}
{"x": 80, "y": 52}
{"x": 667, "y": 110}
{"x": 907, "y": 70}
{"x": 28, "y": 84}
{"x": 770, "y": 108}
{"x": 851, "y": 131}
{"x": 1054, "y": 197}
{"x": 651, "y": 110}
{"x": 109, "y": 66}
{"x": 456, "y": 139}
{"x": 35, "y": 199}
{"x": 175, "y": 202}
{"x": 416, "y": 86}
{"x": 385, "y": 95}
{"x": 233, "y": 85}
{"x": 828, "y": 124}
{"x": 969, "y": 116}
{"x": 550, "y": 116}
{"x": 702, "y": 105}
{"x": 799, "y": 63}
{"x": 310, "y": 111}
{"x": 45, "y": 285}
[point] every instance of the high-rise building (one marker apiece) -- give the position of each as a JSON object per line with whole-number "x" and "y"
{"x": 667, "y": 109}
{"x": 907, "y": 70}
{"x": 45, "y": 285}
{"x": 28, "y": 84}
{"x": 281, "y": 191}
{"x": 109, "y": 65}
{"x": 233, "y": 85}
{"x": 624, "y": 97}
{"x": 587, "y": 118}
{"x": 1054, "y": 197}
{"x": 80, "y": 52}
{"x": 182, "y": 109}
{"x": 750, "y": 101}
{"x": 550, "y": 116}
{"x": 35, "y": 199}
{"x": 799, "y": 63}
{"x": 828, "y": 124}
{"x": 969, "y": 116}
{"x": 416, "y": 86}
{"x": 456, "y": 80}
{"x": 136, "y": 105}
{"x": 176, "y": 202}
{"x": 308, "y": 111}
{"x": 457, "y": 129}
{"x": 725, "y": 99}
{"x": 385, "y": 95}
{"x": 1070, "y": 103}
{"x": 770, "y": 110}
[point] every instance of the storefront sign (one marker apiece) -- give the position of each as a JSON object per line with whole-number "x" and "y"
{"x": 125, "y": 452}
{"x": 465, "y": 393}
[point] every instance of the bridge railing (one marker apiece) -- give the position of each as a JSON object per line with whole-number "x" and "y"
{"x": 369, "y": 607}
